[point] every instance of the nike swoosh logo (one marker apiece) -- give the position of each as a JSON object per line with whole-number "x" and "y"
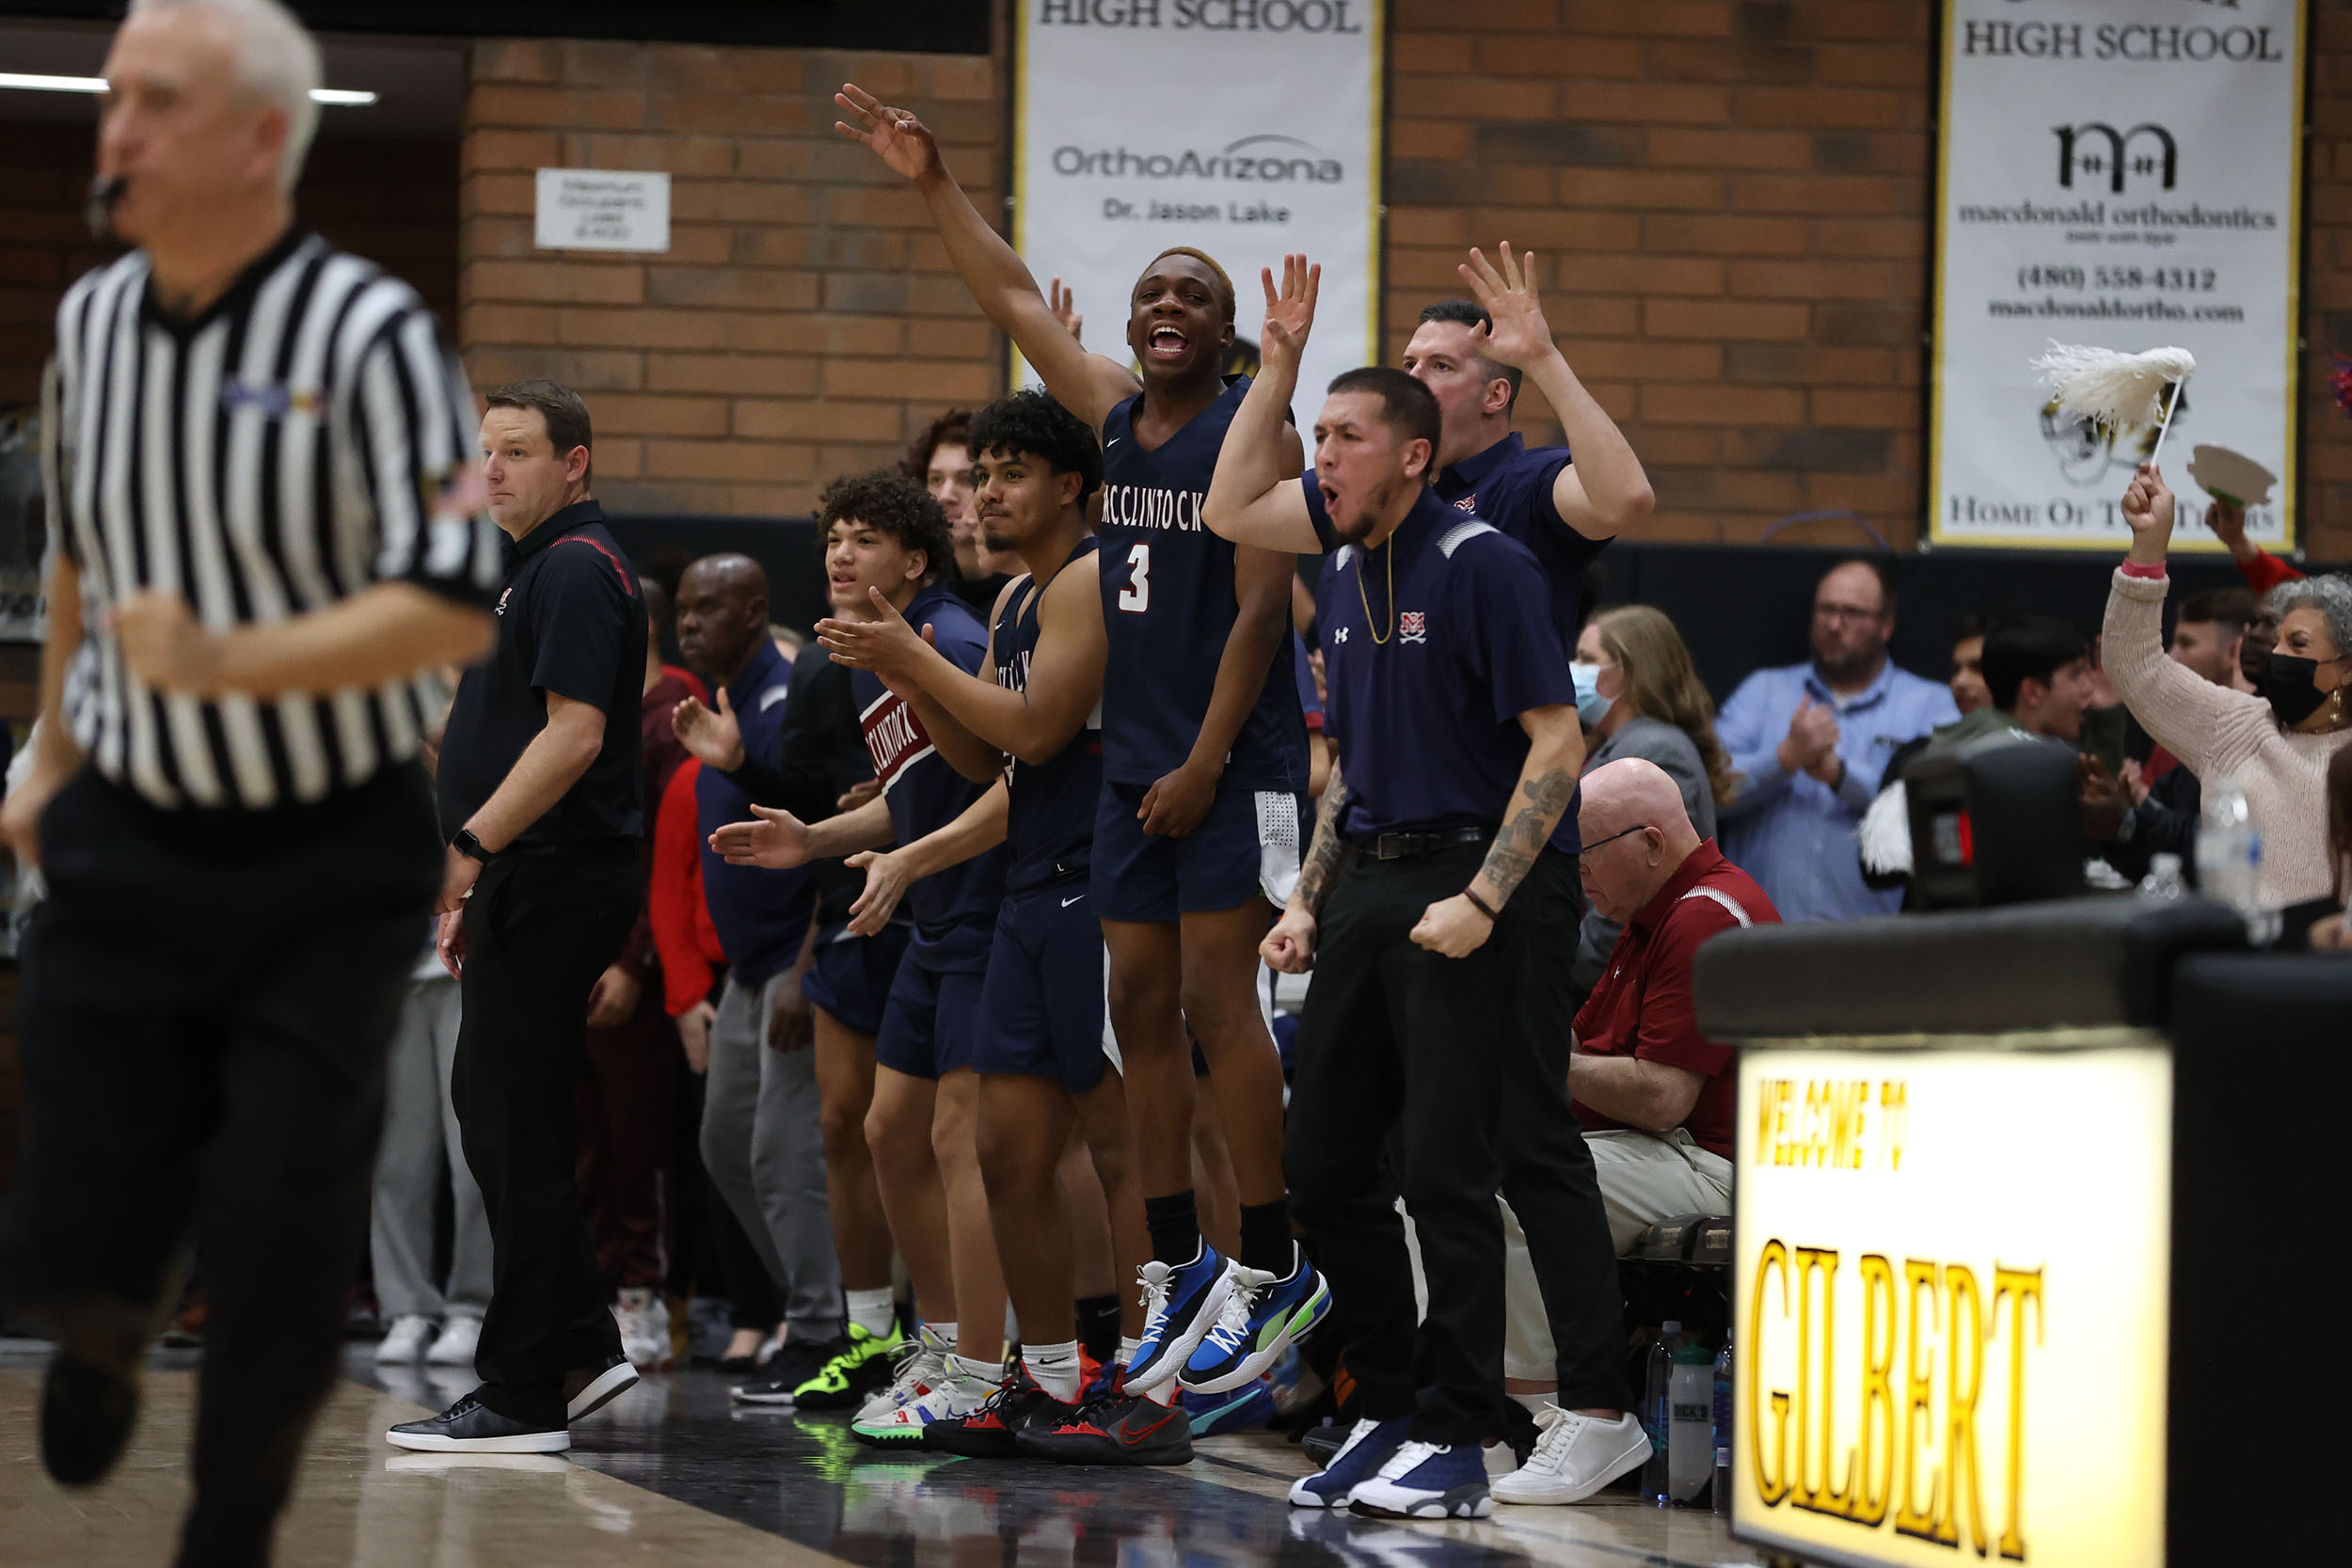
{"x": 1112, "y": 442}
{"x": 1067, "y": 902}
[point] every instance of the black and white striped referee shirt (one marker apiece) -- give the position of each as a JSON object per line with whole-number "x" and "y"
{"x": 304, "y": 438}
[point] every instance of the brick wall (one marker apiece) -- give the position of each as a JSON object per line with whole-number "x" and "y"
{"x": 804, "y": 322}
{"x": 1728, "y": 197}
{"x": 392, "y": 201}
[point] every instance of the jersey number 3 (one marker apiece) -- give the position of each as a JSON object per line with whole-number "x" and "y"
{"x": 1137, "y": 597}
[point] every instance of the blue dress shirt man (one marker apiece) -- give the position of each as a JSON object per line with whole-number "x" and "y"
{"x": 1813, "y": 740}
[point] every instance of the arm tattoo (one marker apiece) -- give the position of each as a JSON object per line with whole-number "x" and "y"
{"x": 1524, "y": 836}
{"x": 1327, "y": 849}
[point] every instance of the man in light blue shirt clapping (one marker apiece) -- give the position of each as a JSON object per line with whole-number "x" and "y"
{"x": 1813, "y": 740}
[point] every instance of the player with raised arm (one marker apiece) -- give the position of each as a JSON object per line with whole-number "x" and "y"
{"x": 1040, "y": 1055}
{"x": 1204, "y": 763}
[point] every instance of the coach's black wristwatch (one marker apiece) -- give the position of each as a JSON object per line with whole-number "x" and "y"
{"x": 469, "y": 845}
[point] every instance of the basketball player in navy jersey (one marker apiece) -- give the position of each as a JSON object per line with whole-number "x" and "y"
{"x": 1040, "y": 1053}
{"x": 884, "y": 534}
{"x": 1204, "y": 761}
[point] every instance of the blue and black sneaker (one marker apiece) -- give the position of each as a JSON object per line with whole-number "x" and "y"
{"x": 1427, "y": 1481}
{"x": 1181, "y": 1304}
{"x": 1369, "y": 1446}
{"x": 1261, "y": 1316}
{"x": 1242, "y": 1409}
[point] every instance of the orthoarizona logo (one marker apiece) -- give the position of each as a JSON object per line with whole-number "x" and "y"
{"x": 1266, "y": 158}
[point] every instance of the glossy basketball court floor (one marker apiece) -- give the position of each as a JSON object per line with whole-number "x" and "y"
{"x": 671, "y": 1474}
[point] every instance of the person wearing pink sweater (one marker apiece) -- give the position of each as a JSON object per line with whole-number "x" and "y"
{"x": 2278, "y": 744}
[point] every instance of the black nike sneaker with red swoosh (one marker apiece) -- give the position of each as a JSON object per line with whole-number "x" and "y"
{"x": 994, "y": 1430}
{"x": 1114, "y": 1427}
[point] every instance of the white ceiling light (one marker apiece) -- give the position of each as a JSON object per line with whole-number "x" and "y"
{"x": 98, "y": 84}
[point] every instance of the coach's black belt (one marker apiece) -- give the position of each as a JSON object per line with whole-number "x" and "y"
{"x": 1397, "y": 846}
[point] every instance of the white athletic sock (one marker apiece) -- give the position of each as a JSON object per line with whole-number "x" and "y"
{"x": 1055, "y": 1367}
{"x": 941, "y": 1336}
{"x": 872, "y": 1310}
{"x": 972, "y": 1367}
{"x": 1168, "y": 1393}
{"x": 1536, "y": 1404}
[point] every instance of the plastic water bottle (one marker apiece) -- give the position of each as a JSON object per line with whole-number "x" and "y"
{"x": 2229, "y": 858}
{"x": 1657, "y": 1413}
{"x": 1690, "y": 1421}
{"x": 1723, "y": 1427}
{"x": 2163, "y": 882}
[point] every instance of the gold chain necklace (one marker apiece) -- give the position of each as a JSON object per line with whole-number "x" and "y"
{"x": 1380, "y": 640}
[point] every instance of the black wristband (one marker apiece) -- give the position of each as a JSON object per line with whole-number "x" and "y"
{"x": 1481, "y": 905}
{"x": 470, "y": 846}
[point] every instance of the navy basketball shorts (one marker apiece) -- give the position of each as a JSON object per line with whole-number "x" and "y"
{"x": 849, "y": 981}
{"x": 934, "y": 1018}
{"x": 1247, "y": 846}
{"x": 1043, "y": 1009}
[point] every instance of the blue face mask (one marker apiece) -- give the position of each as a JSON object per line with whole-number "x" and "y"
{"x": 1590, "y": 704}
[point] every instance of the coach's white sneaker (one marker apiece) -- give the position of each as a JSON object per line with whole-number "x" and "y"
{"x": 460, "y": 1334}
{"x": 403, "y": 1343}
{"x": 1575, "y": 1457}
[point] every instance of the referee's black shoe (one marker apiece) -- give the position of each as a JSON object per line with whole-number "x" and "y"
{"x": 470, "y": 1426}
{"x": 86, "y": 1413}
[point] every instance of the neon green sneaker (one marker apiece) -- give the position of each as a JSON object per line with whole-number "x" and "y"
{"x": 859, "y": 1367}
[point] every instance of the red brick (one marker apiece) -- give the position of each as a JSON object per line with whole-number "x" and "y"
{"x": 1429, "y": 138}
{"x": 712, "y": 156}
{"x": 1697, "y": 403}
{"x": 530, "y": 324}
{"x": 1639, "y": 189}
{"x": 1863, "y": 108}
{"x": 1650, "y": 18}
{"x": 575, "y": 108}
{"x": 1556, "y": 228}
{"x": 1476, "y": 97}
{"x": 1474, "y": 16}
{"x": 588, "y": 370}
{"x": 1448, "y": 54}
{"x": 1687, "y": 148}
{"x": 1892, "y": 237}
{"x": 1723, "y": 234}
{"x": 1885, "y": 408}
{"x": 729, "y": 460}
{"x": 1646, "y": 275}
{"x": 1817, "y": 280}
{"x": 1692, "y": 318}
{"x": 1618, "y": 59}
{"x": 515, "y": 60}
{"x": 661, "y": 416}
{"x": 756, "y": 374}
{"x": 1645, "y": 102}
{"x": 570, "y": 282}
{"x": 818, "y": 419}
{"x": 1840, "y": 195}
{"x": 512, "y": 150}
{"x": 910, "y": 379}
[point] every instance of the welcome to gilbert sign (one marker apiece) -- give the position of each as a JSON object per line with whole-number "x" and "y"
{"x": 1241, "y": 128}
{"x": 2126, "y": 173}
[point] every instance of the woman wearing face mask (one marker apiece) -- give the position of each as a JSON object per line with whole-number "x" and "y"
{"x": 2277, "y": 744}
{"x": 1638, "y": 697}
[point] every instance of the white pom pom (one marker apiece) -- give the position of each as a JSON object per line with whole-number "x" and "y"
{"x": 2112, "y": 386}
{"x": 1886, "y": 831}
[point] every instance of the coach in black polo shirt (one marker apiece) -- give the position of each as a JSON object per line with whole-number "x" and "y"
{"x": 1431, "y": 887}
{"x": 539, "y": 799}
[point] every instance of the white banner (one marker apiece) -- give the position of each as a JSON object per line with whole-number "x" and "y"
{"x": 2126, "y": 174}
{"x": 1241, "y": 128}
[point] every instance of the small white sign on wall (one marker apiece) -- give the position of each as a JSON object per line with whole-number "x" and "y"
{"x": 595, "y": 209}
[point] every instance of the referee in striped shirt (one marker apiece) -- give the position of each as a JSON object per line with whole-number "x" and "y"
{"x": 262, "y": 499}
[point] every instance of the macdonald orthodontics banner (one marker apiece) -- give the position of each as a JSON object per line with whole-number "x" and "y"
{"x": 1241, "y": 128}
{"x": 2127, "y": 174}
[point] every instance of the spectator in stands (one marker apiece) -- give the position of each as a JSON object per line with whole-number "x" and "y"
{"x": 2262, "y": 570}
{"x": 1813, "y": 741}
{"x": 2207, "y": 640}
{"x": 2037, "y": 672}
{"x": 1655, "y": 1095}
{"x": 1967, "y": 679}
{"x": 426, "y": 1315}
{"x": 2334, "y": 934}
{"x": 2277, "y": 746}
{"x": 1646, "y": 702}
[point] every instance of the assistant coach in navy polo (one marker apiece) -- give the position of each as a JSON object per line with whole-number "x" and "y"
{"x": 540, "y": 803}
{"x": 265, "y": 526}
{"x": 1430, "y": 888}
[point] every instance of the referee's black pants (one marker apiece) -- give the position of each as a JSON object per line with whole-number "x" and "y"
{"x": 208, "y": 998}
{"x": 539, "y": 929}
{"x": 1448, "y": 1054}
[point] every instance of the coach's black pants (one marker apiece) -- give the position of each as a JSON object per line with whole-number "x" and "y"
{"x": 1445, "y": 1052}
{"x": 207, "y": 1001}
{"x": 539, "y": 929}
